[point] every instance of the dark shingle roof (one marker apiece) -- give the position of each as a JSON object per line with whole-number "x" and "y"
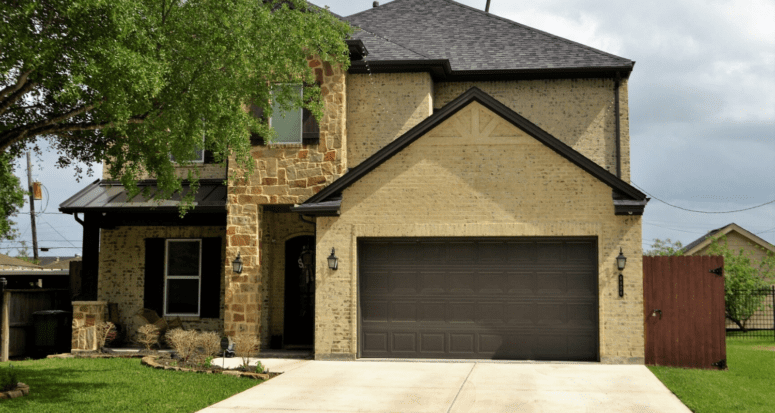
{"x": 471, "y": 39}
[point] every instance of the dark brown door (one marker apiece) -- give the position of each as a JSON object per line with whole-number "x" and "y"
{"x": 490, "y": 298}
{"x": 684, "y": 311}
{"x": 299, "y": 291}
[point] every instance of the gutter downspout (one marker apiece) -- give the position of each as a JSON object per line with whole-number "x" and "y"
{"x": 617, "y": 83}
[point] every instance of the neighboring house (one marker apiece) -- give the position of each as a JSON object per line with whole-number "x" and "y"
{"x": 470, "y": 175}
{"x": 736, "y": 238}
{"x": 58, "y": 263}
{"x": 11, "y": 263}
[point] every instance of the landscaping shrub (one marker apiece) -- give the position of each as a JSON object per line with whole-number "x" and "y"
{"x": 102, "y": 332}
{"x": 148, "y": 335}
{"x": 210, "y": 343}
{"x": 8, "y": 378}
{"x": 184, "y": 342}
{"x": 245, "y": 346}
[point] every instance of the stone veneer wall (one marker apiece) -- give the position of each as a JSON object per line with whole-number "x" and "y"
{"x": 480, "y": 177}
{"x": 381, "y": 107}
{"x": 579, "y": 112}
{"x": 87, "y": 314}
{"x": 122, "y": 271}
{"x": 284, "y": 174}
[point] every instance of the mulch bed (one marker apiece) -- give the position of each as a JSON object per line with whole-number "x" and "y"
{"x": 166, "y": 362}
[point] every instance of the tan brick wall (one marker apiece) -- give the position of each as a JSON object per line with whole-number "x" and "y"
{"x": 504, "y": 183}
{"x": 579, "y": 112}
{"x": 122, "y": 271}
{"x": 284, "y": 174}
{"x": 382, "y": 107}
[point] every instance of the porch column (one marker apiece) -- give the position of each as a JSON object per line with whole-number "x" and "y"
{"x": 91, "y": 258}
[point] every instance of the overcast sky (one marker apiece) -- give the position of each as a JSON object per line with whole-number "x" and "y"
{"x": 702, "y": 108}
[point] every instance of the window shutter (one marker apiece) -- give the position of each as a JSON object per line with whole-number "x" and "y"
{"x": 153, "y": 294}
{"x": 310, "y": 131}
{"x": 212, "y": 265}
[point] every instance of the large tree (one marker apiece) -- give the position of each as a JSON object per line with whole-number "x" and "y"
{"x": 745, "y": 280}
{"x": 11, "y": 197}
{"x": 131, "y": 82}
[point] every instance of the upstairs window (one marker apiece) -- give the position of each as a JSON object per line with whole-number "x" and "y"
{"x": 293, "y": 126}
{"x": 199, "y": 154}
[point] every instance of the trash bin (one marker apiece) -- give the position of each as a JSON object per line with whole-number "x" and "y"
{"x": 53, "y": 332}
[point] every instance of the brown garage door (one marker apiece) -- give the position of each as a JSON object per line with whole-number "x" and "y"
{"x": 486, "y": 298}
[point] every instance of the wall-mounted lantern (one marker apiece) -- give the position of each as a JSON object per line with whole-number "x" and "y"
{"x": 621, "y": 261}
{"x": 236, "y": 265}
{"x": 333, "y": 261}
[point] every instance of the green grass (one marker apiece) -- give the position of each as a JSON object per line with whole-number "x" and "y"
{"x": 115, "y": 385}
{"x": 748, "y": 385}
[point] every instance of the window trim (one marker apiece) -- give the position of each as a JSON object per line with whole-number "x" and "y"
{"x": 301, "y": 117}
{"x": 182, "y": 277}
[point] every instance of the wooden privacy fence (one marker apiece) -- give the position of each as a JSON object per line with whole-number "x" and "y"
{"x": 16, "y": 317}
{"x": 683, "y": 302}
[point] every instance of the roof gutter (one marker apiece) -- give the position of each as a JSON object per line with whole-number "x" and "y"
{"x": 617, "y": 83}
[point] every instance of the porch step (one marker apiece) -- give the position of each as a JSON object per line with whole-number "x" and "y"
{"x": 286, "y": 354}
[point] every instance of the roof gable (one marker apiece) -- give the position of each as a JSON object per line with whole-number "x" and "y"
{"x": 327, "y": 201}
{"x": 705, "y": 240}
{"x": 470, "y": 39}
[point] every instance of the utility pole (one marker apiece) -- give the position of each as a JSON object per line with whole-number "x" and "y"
{"x": 32, "y": 209}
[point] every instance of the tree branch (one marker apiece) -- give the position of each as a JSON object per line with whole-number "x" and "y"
{"x": 19, "y": 83}
{"x": 13, "y": 97}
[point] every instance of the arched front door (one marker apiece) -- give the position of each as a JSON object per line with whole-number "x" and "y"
{"x": 299, "y": 325}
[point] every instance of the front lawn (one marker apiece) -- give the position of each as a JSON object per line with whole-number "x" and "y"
{"x": 116, "y": 385}
{"x": 748, "y": 385}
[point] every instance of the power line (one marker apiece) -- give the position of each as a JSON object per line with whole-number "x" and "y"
{"x": 702, "y": 212}
{"x": 675, "y": 229}
{"x": 55, "y": 230}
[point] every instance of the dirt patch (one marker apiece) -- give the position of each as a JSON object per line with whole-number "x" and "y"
{"x": 765, "y": 348}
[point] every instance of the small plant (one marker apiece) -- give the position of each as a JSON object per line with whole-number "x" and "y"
{"x": 103, "y": 330}
{"x": 210, "y": 343}
{"x": 245, "y": 346}
{"x": 260, "y": 367}
{"x": 8, "y": 378}
{"x": 148, "y": 335}
{"x": 208, "y": 362}
{"x": 173, "y": 363}
{"x": 184, "y": 342}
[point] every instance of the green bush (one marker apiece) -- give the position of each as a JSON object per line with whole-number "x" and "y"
{"x": 8, "y": 378}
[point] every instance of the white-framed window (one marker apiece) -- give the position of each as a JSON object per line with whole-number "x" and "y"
{"x": 287, "y": 123}
{"x": 182, "y": 277}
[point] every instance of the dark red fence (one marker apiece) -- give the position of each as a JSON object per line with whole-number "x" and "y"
{"x": 684, "y": 312}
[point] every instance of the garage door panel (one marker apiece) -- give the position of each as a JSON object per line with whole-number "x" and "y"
{"x": 518, "y": 298}
{"x": 521, "y": 282}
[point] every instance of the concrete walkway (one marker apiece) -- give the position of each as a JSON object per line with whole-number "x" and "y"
{"x": 453, "y": 387}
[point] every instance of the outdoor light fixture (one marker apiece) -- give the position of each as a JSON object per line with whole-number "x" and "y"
{"x": 236, "y": 265}
{"x": 333, "y": 262}
{"x": 621, "y": 260}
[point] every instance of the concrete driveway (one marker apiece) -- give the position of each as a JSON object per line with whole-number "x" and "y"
{"x": 453, "y": 387}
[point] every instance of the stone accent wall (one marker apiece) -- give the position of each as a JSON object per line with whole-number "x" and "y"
{"x": 382, "y": 107}
{"x": 284, "y": 174}
{"x": 86, "y": 315}
{"x": 579, "y": 112}
{"x": 122, "y": 271}
{"x": 497, "y": 183}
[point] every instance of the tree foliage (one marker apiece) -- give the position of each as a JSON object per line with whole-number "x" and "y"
{"x": 11, "y": 197}
{"x": 665, "y": 248}
{"x": 744, "y": 279}
{"x": 131, "y": 82}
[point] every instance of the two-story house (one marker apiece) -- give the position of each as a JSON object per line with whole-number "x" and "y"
{"x": 465, "y": 195}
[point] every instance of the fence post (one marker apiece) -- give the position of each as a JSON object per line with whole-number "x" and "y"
{"x": 6, "y": 326}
